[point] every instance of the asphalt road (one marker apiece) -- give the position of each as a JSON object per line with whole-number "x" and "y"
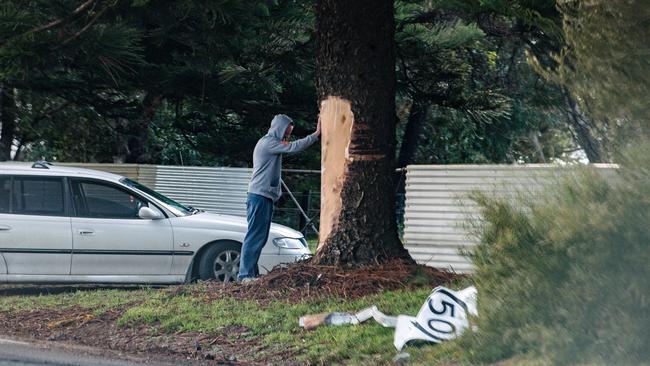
{"x": 18, "y": 353}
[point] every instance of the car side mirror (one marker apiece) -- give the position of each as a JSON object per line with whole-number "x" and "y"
{"x": 147, "y": 213}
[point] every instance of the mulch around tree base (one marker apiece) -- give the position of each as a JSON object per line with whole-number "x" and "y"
{"x": 306, "y": 281}
{"x": 298, "y": 282}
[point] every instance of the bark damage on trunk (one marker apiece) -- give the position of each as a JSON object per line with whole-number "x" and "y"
{"x": 336, "y": 124}
{"x": 356, "y": 87}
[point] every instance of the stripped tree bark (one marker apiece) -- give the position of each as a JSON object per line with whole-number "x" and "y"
{"x": 356, "y": 87}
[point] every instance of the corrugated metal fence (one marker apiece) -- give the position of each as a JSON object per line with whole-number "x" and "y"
{"x": 217, "y": 189}
{"x": 220, "y": 190}
{"x": 438, "y": 206}
{"x": 437, "y": 198}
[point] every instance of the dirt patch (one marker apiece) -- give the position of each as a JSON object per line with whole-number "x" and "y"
{"x": 233, "y": 345}
{"x": 76, "y": 325}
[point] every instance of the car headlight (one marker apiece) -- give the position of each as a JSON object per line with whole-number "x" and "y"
{"x": 289, "y": 243}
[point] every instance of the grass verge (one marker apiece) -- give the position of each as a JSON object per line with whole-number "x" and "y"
{"x": 96, "y": 300}
{"x": 266, "y": 329}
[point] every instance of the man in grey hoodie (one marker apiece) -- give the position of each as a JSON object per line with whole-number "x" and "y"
{"x": 265, "y": 188}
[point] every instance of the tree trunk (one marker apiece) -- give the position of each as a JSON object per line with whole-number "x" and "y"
{"x": 539, "y": 150}
{"x": 583, "y": 133}
{"x": 8, "y": 121}
{"x": 412, "y": 132}
{"x": 137, "y": 141}
{"x": 356, "y": 86}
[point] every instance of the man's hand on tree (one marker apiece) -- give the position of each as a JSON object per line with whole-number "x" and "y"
{"x": 318, "y": 127}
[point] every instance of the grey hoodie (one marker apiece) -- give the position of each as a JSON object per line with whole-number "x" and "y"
{"x": 267, "y": 158}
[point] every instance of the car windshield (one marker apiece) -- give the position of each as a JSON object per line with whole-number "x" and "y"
{"x": 174, "y": 206}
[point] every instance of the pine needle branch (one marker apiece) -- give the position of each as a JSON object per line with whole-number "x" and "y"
{"x": 80, "y": 9}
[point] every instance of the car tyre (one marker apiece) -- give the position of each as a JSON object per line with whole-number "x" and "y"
{"x": 220, "y": 262}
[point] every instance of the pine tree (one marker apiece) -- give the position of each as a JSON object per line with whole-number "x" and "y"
{"x": 356, "y": 86}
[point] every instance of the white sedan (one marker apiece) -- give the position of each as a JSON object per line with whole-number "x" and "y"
{"x": 64, "y": 224}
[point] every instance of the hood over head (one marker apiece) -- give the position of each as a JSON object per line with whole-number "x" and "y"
{"x": 279, "y": 124}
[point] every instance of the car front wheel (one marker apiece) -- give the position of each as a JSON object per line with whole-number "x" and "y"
{"x": 220, "y": 262}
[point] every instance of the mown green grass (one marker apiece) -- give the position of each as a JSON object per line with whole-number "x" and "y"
{"x": 277, "y": 323}
{"x": 98, "y": 301}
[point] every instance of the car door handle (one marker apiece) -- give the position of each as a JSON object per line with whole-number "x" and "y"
{"x": 86, "y": 232}
{"x": 5, "y": 227}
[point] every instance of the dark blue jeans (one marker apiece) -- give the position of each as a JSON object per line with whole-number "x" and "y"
{"x": 259, "y": 211}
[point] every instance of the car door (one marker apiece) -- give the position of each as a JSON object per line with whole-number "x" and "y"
{"x": 108, "y": 236}
{"x": 35, "y": 237}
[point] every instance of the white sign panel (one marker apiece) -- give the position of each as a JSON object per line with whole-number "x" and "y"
{"x": 442, "y": 317}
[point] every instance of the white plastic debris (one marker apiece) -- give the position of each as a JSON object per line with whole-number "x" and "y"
{"x": 381, "y": 318}
{"x": 443, "y": 316}
{"x": 312, "y": 321}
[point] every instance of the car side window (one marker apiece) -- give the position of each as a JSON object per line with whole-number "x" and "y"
{"x": 98, "y": 200}
{"x": 5, "y": 193}
{"x": 38, "y": 196}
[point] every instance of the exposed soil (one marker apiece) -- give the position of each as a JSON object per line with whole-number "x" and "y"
{"x": 77, "y": 326}
{"x": 233, "y": 346}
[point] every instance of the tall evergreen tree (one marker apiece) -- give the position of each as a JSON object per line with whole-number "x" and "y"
{"x": 63, "y": 56}
{"x": 356, "y": 84}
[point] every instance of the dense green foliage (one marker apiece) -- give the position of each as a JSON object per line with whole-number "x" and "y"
{"x": 605, "y": 63}
{"x": 601, "y": 64}
{"x": 562, "y": 278}
{"x": 196, "y": 83}
{"x": 464, "y": 63}
{"x": 179, "y": 79}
